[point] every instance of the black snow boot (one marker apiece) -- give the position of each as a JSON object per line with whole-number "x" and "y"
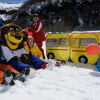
{"x": 23, "y": 75}
{"x": 8, "y": 78}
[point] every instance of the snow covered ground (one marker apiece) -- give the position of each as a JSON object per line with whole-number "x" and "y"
{"x": 68, "y": 82}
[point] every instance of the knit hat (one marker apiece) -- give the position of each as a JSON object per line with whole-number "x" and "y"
{"x": 30, "y": 36}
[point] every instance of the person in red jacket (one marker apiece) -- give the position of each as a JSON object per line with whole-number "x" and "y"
{"x": 38, "y": 33}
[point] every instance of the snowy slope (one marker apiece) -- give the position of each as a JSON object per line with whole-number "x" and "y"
{"x": 69, "y": 82}
{"x": 7, "y": 7}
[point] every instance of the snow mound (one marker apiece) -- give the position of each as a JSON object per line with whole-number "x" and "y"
{"x": 68, "y": 82}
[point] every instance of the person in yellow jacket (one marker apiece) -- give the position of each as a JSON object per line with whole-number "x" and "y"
{"x": 31, "y": 46}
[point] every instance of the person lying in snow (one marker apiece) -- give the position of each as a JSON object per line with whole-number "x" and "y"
{"x": 8, "y": 74}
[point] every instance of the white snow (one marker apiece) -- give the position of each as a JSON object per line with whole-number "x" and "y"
{"x": 5, "y": 17}
{"x": 68, "y": 82}
{"x": 7, "y": 7}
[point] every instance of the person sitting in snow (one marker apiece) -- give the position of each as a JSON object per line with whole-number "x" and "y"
{"x": 13, "y": 49}
{"x": 32, "y": 47}
{"x": 8, "y": 74}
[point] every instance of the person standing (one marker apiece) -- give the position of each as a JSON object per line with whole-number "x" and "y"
{"x": 38, "y": 33}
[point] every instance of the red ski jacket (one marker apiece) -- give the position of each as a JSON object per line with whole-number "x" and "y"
{"x": 37, "y": 32}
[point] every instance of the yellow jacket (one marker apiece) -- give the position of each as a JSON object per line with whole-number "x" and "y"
{"x": 34, "y": 50}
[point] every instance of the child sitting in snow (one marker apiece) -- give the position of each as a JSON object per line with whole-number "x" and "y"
{"x": 31, "y": 46}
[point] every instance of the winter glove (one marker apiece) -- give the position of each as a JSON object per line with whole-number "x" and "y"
{"x": 44, "y": 66}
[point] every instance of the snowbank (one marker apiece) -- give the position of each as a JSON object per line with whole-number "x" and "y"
{"x": 69, "y": 82}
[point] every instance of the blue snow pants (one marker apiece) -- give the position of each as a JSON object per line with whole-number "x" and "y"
{"x": 34, "y": 62}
